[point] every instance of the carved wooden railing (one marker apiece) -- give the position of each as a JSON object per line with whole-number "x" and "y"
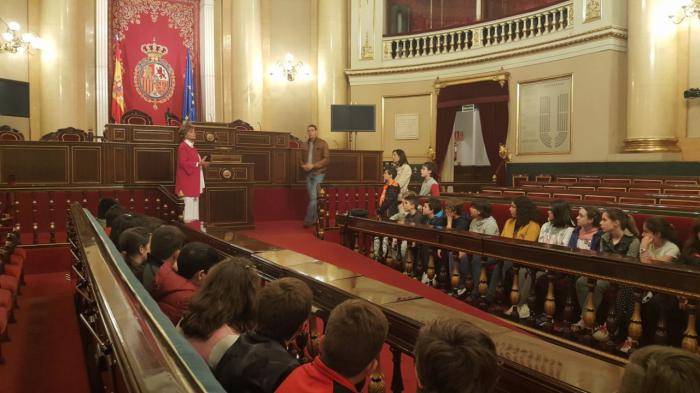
{"x": 130, "y": 344}
{"x": 489, "y": 34}
{"x": 529, "y": 364}
{"x": 40, "y": 213}
{"x": 559, "y": 264}
{"x": 334, "y": 199}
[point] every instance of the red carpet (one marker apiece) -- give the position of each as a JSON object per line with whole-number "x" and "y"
{"x": 291, "y": 235}
{"x": 44, "y": 354}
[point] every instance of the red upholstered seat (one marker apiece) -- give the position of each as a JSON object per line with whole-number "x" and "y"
{"x": 17, "y": 260}
{"x": 5, "y": 299}
{"x": 13, "y": 271}
{"x": 3, "y": 320}
{"x": 10, "y": 283}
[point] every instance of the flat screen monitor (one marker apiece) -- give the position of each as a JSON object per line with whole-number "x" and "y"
{"x": 14, "y": 98}
{"x": 353, "y": 118}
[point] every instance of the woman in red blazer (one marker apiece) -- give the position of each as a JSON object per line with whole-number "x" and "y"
{"x": 189, "y": 179}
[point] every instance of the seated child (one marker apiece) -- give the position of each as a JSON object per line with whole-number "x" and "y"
{"x": 176, "y": 283}
{"x": 355, "y": 334}
{"x": 455, "y": 356}
{"x": 258, "y": 362}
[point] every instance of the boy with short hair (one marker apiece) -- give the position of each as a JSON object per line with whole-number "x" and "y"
{"x": 473, "y": 365}
{"x": 433, "y": 211}
{"x": 177, "y": 282}
{"x": 430, "y": 186}
{"x": 410, "y": 206}
{"x": 258, "y": 362}
{"x": 166, "y": 242}
{"x": 355, "y": 334}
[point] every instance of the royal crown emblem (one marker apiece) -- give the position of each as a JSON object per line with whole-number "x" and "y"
{"x": 154, "y": 77}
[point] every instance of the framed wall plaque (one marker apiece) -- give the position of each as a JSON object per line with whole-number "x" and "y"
{"x": 544, "y": 112}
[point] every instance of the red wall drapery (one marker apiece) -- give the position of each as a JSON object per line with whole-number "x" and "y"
{"x": 492, "y": 101}
{"x": 171, "y": 24}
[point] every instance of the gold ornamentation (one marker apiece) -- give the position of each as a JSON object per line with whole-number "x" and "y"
{"x": 182, "y": 16}
{"x": 592, "y": 11}
{"x": 651, "y": 145}
{"x": 226, "y": 174}
{"x": 210, "y": 137}
{"x": 500, "y": 77}
{"x": 367, "y": 49}
{"x": 504, "y": 153}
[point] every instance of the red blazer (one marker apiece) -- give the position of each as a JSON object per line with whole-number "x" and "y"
{"x": 172, "y": 292}
{"x": 188, "y": 173}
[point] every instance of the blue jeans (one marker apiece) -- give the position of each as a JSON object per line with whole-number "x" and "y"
{"x": 312, "y": 183}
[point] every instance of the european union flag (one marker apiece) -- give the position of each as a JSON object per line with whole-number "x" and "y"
{"x": 189, "y": 108}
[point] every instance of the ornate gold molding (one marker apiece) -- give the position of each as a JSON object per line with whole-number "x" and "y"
{"x": 651, "y": 145}
{"x": 592, "y": 11}
{"x": 500, "y": 77}
{"x": 594, "y": 35}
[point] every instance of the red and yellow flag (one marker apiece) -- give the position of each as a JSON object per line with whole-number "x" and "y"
{"x": 118, "y": 86}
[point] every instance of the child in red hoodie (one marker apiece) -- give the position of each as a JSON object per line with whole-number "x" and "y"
{"x": 355, "y": 333}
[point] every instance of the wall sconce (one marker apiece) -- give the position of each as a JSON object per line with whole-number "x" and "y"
{"x": 289, "y": 70}
{"x": 689, "y": 10}
{"x": 13, "y": 42}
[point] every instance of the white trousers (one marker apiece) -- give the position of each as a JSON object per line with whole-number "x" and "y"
{"x": 191, "y": 212}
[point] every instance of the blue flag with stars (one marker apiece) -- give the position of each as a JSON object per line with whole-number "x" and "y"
{"x": 189, "y": 109}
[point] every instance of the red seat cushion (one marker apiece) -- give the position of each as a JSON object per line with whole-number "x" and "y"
{"x": 3, "y": 320}
{"x": 16, "y": 260}
{"x": 13, "y": 271}
{"x": 5, "y": 299}
{"x": 8, "y": 282}
{"x": 21, "y": 252}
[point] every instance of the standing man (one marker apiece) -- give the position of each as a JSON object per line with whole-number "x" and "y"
{"x": 189, "y": 179}
{"x": 315, "y": 157}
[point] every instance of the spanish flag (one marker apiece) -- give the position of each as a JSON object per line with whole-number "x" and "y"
{"x": 118, "y": 86}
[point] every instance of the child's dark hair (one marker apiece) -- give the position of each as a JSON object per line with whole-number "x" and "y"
{"x": 483, "y": 207}
{"x": 434, "y": 205}
{"x": 390, "y": 170}
{"x": 103, "y": 205}
{"x": 526, "y": 211}
{"x": 562, "y": 214}
{"x": 658, "y": 225}
{"x": 412, "y": 199}
{"x": 626, "y": 222}
{"x": 195, "y": 257}
{"x": 593, "y": 214}
{"x": 430, "y": 166}
{"x": 132, "y": 239}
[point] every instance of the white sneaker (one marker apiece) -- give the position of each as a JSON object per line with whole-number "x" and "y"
{"x": 524, "y": 311}
{"x": 509, "y": 311}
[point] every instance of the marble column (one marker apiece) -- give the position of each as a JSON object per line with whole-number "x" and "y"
{"x": 67, "y": 95}
{"x": 652, "y": 92}
{"x": 207, "y": 60}
{"x": 246, "y": 54}
{"x": 332, "y": 85}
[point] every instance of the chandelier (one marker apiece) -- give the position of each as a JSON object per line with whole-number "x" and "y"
{"x": 12, "y": 41}
{"x": 289, "y": 70}
{"x": 688, "y": 10}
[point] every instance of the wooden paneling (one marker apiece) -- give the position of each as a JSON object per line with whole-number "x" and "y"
{"x": 119, "y": 164}
{"x": 371, "y": 167}
{"x": 228, "y": 206}
{"x": 153, "y": 135}
{"x": 263, "y": 165}
{"x": 254, "y": 139}
{"x": 154, "y": 165}
{"x": 344, "y": 166}
{"x": 86, "y": 165}
{"x": 32, "y": 163}
{"x": 279, "y": 166}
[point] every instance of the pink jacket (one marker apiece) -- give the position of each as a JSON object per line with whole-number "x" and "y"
{"x": 188, "y": 172}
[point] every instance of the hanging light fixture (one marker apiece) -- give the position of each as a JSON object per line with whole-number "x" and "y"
{"x": 289, "y": 70}
{"x": 689, "y": 10}
{"x": 12, "y": 41}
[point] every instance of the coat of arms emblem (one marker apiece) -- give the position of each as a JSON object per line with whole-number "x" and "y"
{"x": 154, "y": 77}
